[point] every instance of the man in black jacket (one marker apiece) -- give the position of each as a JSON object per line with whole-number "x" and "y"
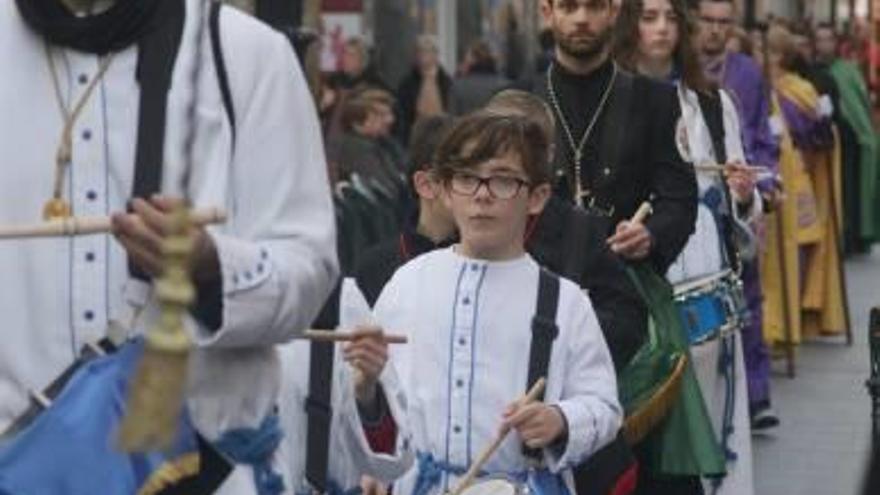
{"x": 616, "y": 136}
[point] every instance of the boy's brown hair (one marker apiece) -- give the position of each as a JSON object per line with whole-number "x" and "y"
{"x": 524, "y": 104}
{"x": 484, "y": 135}
{"x": 376, "y": 95}
{"x": 355, "y": 111}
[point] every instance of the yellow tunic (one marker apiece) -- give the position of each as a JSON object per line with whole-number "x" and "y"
{"x": 800, "y": 265}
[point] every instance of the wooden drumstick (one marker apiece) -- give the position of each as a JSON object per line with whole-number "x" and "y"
{"x": 487, "y": 453}
{"x": 642, "y": 213}
{"x": 331, "y": 336}
{"x": 761, "y": 172}
{"x": 77, "y": 226}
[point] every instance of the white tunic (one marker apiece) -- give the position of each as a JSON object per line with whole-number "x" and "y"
{"x": 469, "y": 325}
{"x": 702, "y": 253}
{"x": 277, "y": 251}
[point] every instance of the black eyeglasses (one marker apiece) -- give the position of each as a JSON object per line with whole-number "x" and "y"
{"x": 499, "y": 186}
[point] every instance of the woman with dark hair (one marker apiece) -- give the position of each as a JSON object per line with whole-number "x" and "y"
{"x": 655, "y": 38}
{"x": 665, "y": 53}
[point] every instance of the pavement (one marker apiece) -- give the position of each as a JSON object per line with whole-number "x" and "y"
{"x": 822, "y": 445}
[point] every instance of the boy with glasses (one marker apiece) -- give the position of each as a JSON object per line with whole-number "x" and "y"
{"x": 474, "y": 314}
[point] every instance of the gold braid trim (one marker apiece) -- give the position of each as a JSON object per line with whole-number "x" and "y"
{"x": 637, "y": 425}
{"x": 171, "y": 473}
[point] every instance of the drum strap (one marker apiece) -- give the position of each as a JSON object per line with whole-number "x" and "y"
{"x": 713, "y": 116}
{"x": 544, "y": 332}
{"x": 319, "y": 412}
{"x": 607, "y": 469}
{"x": 156, "y": 57}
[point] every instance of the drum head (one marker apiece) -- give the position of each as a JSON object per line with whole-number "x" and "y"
{"x": 492, "y": 487}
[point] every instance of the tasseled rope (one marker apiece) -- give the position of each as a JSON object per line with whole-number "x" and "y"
{"x": 156, "y": 394}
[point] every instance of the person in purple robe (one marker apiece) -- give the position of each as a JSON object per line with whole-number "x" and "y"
{"x": 744, "y": 81}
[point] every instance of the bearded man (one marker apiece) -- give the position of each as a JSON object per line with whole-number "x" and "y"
{"x": 618, "y": 144}
{"x": 615, "y": 151}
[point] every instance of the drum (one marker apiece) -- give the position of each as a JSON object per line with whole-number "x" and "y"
{"x": 496, "y": 486}
{"x": 710, "y": 306}
{"x": 536, "y": 481}
{"x": 74, "y": 422}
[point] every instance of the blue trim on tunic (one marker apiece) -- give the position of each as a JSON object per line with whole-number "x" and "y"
{"x": 473, "y": 358}
{"x": 449, "y": 363}
{"x": 255, "y": 447}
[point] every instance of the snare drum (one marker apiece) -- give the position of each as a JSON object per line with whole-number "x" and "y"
{"x": 535, "y": 482}
{"x": 710, "y": 305}
{"x": 495, "y": 487}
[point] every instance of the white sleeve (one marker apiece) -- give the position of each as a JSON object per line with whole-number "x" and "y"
{"x": 388, "y": 312}
{"x": 589, "y": 394}
{"x": 361, "y": 459}
{"x": 278, "y": 258}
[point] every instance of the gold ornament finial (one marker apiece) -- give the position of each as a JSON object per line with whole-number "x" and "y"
{"x": 56, "y": 209}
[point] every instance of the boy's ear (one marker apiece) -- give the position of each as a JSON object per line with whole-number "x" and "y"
{"x": 546, "y": 8}
{"x": 425, "y": 186}
{"x": 538, "y": 198}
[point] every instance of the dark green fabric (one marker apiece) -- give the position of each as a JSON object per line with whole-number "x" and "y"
{"x": 855, "y": 107}
{"x": 685, "y": 442}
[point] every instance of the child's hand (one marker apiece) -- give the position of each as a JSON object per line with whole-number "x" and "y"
{"x": 367, "y": 354}
{"x": 538, "y": 424}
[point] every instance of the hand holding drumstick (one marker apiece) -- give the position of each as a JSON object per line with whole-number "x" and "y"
{"x": 512, "y": 410}
{"x": 631, "y": 239}
{"x": 367, "y": 353}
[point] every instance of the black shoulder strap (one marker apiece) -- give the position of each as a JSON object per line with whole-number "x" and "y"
{"x": 319, "y": 410}
{"x": 544, "y": 332}
{"x": 220, "y": 64}
{"x": 713, "y": 116}
{"x": 156, "y": 58}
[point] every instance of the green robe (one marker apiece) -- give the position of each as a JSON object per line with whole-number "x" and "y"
{"x": 855, "y": 108}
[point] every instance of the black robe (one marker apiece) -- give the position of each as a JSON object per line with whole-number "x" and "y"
{"x": 631, "y": 154}
{"x": 571, "y": 242}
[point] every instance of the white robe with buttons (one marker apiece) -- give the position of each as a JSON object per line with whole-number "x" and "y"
{"x": 469, "y": 328}
{"x": 276, "y": 252}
